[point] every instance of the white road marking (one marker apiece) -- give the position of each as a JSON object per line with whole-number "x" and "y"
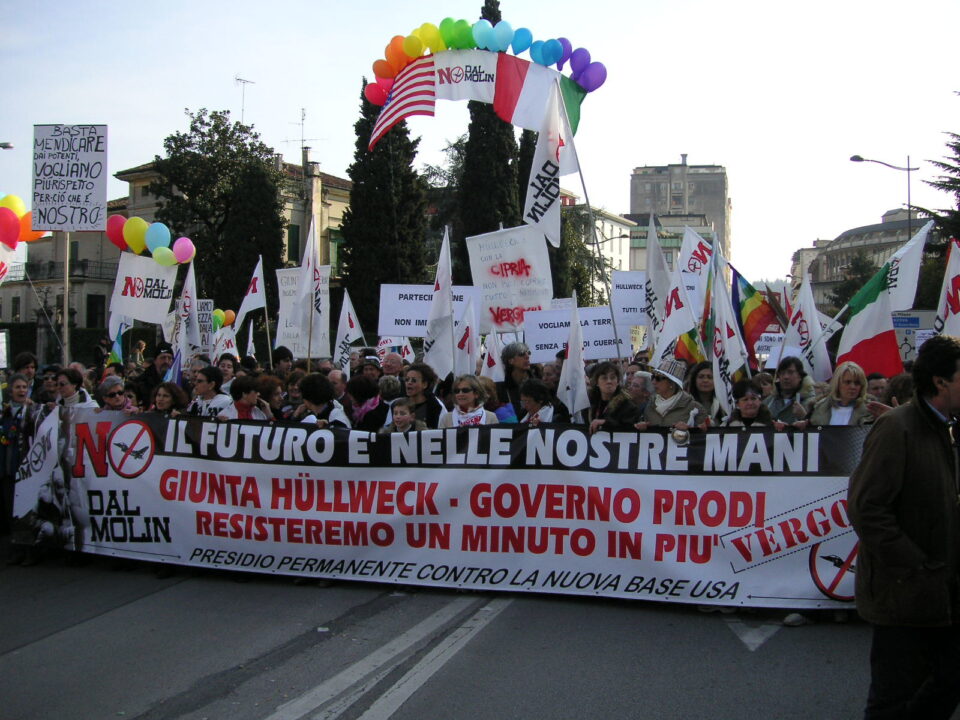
{"x": 752, "y": 637}
{"x": 388, "y": 703}
{"x": 371, "y": 664}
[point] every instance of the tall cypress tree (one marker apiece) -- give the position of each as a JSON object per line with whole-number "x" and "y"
{"x": 488, "y": 194}
{"x": 384, "y": 228}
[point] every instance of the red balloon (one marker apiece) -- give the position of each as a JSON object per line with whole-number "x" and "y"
{"x": 375, "y": 94}
{"x": 9, "y": 227}
{"x": 385, "y": 83}
{"x": 115, "y": 225}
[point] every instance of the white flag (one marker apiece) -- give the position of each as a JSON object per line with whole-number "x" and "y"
{"x": 492, "y": 362}
{"x": 467, "y": 348}
{"x": 118, "y": 325}
{"x": 251, "y": 348}
{"x": 555, "y": 156}
{"x": 948, "y": 309}
{"x": 396, "y": 343}
{"x": 189, "y": 310}
{"x": 348, "y": 332}
{"x": 905, "y": 270}
{"x": 256, "y": 296}
{"x": 657, "y": 285}
{"x": 438, "y": 343}
{"x": 572, "y": 387}
{"x": 678, "y": 319}
{"x": 313, "y": 295}
{"x": 728, "y": 352}
{"x": 803, "y": 339}
{"x": 694, "y": 264}
{"x": 37, "y": 466}
{"x": 224, "y": 343}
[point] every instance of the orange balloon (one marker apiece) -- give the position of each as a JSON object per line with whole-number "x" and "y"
{"x": 395, "y": 54}
{"x": 228, "y": 317}
{"x": 383, "y": 69}
{"x": 26, "y": 234}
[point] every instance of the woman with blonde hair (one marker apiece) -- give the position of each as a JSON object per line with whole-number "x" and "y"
{"x": 468, "y": 409}
{"x": 846, "y": 401}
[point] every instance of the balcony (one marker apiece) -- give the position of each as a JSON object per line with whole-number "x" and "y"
{"x": 49, "y": 270}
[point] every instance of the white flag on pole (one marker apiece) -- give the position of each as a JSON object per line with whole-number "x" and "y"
{"x": 256, "y": 297}
{"x": 572, "y": 387}
{"x": 348, "y": 332}
{"x": 492, "y": 363}
{"x": 438, "y": 343}
{"x": 467, "y": 348}
{"x": 948, "y": 309}
{"x": 905, "y": 270}
{"x": 657, "y": 285}
{"x": 189, "y": 312}
{"x": 802, "y": 338}
{"x": 251, "y": 348}
{"x": 678, "y": 319}
{"x": 313, "y": 292}
{"x": 554, "y": 156}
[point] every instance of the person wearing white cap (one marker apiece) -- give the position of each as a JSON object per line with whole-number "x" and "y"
{"x": 670, "y": 406}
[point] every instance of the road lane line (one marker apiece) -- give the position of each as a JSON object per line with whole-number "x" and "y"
{"x": 388, "y": 703}
{"x": 358, "y": 672}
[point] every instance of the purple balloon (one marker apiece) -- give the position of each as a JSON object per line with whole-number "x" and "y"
{"x": 579, "y": 59}
{"x": 593, "y": 77}
{"x": 567, "y": 49}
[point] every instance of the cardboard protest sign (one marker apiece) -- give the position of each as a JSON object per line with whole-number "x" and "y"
{"x": 547, "y": 330}
{"x": 70, "y": 177}
{"x": 628, "y": 297}
{"x": 511, "y": 268}
{"x": 404, "y": 309}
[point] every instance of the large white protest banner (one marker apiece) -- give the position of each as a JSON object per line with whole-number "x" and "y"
{"x": 70, "y": 177}
{"x": 465, "y": 75}
{"x": 143, "y": 289}
{"x": 547, "y": 330}
{"x": 404, "y": 309}
{"x": 628, "y": 297}
{"x": 497, "y": 508}
{"x": 511, "y": 268}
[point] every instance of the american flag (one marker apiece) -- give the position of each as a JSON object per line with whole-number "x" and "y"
{"x": 413, "y": 93}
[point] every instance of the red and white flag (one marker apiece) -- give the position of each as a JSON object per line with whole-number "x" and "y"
{"x": 348, "y": 332}
{"x": 803, "y": 337}
{"x": 256, "y": 297}
{"x": 466, "y": 351}
{"x": 492, "y": 364}
{"x": 948, "y": 309}
{"x": 414, "y": 92}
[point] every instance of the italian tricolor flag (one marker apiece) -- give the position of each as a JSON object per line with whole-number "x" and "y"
{"x": 869, "y": 338}
{"x": 522, "y": 91}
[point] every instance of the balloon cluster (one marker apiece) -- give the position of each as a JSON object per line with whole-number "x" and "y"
{"x": 461, "y": 35}
{"x": 223, "y": 318}
{"x": 15, "y": 222}
{"x": 136, "y": 234}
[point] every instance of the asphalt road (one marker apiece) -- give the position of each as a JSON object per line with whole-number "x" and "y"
{"x": 96, "y": 642}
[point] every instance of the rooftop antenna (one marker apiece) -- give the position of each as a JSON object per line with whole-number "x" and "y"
{"x": 243, "y": 95}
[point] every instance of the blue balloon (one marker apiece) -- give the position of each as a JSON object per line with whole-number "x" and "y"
{"x": 503, "y": 34}
{"x": 552, "y": 52}
{"x": 521, "y": 40}
{"x": 536, "y": 52}
{"x": 158, "y": 235}
{"x": 483, "y": 33}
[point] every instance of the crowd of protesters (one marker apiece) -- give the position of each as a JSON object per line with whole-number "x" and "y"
{"x": 384, "y": 395}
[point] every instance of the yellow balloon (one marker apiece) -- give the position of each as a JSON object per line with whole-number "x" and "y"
{"x": 431, "y": 37}
{"x": 135, "y": 232}
{"x": 413, "y": 46}
{"x": 14, "y": 203}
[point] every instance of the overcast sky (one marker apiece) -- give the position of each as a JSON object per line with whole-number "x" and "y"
{"x": 781, "y": 94}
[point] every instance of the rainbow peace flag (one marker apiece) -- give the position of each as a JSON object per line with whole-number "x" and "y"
{"x": 754, "y": 313}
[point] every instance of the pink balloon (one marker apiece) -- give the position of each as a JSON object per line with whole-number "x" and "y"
{"x": 184, "y": 250}
{"x": 385, "y": 83}
{"x": 9, "y": 227}
{"x": 115, "y": 225}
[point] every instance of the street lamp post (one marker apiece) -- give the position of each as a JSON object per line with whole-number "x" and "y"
{"x": 907, "y": 170}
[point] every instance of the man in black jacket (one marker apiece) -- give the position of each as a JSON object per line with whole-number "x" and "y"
{"x": 904, "y": 501}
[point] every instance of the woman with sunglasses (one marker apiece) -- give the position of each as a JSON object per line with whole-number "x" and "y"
{"x": 670, "y": 406}
{"x": 70, "y": 390}
{"x": 468, "y": 398}
{"x": 208, "y": 401}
